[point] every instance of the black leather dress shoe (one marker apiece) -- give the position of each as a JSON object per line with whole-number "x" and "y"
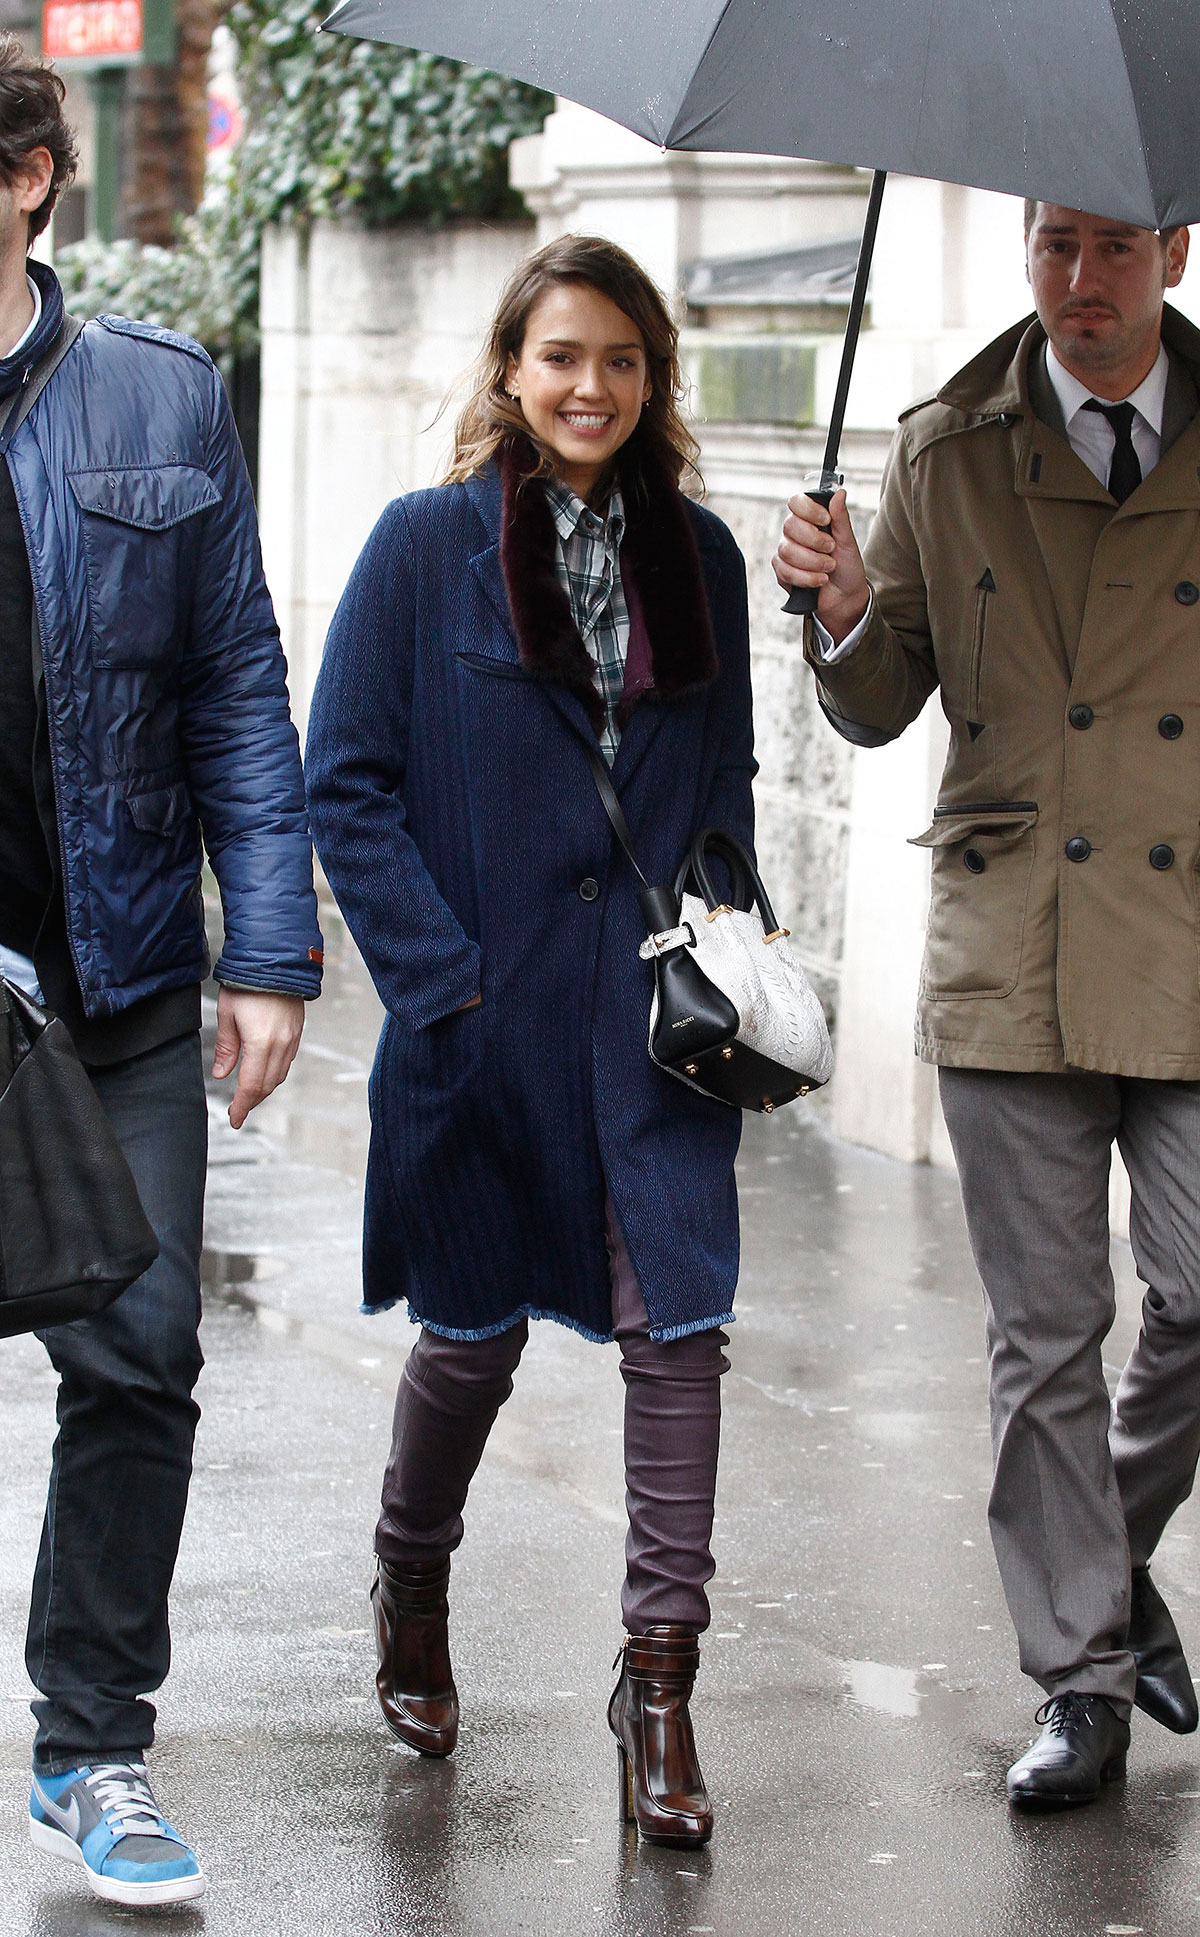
{"x": 1164, "y": 1683}
{"x": 1082, "y": 1744}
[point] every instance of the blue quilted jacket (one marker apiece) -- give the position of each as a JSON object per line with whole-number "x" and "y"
{"x": 164, "y": 676}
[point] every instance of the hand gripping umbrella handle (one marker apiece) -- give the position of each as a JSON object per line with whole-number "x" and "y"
{"x": 803, "y": 598}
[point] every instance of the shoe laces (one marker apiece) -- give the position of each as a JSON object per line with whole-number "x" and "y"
{"x": 126, "y": 1800}
{"x": 1063, "y": 1712}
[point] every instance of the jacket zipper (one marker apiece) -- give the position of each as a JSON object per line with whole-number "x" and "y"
{"x": 983, "y": 592}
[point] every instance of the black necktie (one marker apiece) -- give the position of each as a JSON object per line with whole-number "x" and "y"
{"x": 1126, "y": 472}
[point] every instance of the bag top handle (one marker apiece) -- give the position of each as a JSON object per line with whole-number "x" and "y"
{"x": 745, "y": 882}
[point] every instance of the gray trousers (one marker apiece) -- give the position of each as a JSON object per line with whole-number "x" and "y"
{"x": 1082, "y": 1488}
{"x": 451, "y": 1390}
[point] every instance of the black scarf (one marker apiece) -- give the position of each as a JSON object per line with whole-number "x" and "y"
{"x": 661, "y": 558}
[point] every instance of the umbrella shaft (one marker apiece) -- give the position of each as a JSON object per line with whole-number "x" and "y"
{"x": 854, "y": 321}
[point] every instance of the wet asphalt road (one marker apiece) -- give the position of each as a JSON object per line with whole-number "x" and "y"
{"x": 859, "y": 1699}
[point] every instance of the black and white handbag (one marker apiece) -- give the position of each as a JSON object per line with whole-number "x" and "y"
{"x": 733, "y": 1013}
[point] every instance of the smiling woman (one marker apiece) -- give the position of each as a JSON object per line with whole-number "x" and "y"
{"x": 580, "y": 333}
{"x": 555, "y": 601}
{"x": 581, "y": 393}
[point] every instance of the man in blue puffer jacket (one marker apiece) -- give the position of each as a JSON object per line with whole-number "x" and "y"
{"x": 142, "y": 705}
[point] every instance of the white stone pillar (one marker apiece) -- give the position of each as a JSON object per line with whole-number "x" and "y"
{"x": 668, "y": 209}
{"x": 364, "y": 331}
{"x": 882, "y": 1095}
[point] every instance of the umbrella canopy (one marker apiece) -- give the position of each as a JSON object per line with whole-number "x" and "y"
{"x": 1090, "y": 103}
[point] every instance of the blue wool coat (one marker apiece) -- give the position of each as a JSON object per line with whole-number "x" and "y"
{"x": 456, "y": 816}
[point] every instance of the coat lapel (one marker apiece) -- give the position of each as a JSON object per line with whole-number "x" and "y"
{"x": 484, "y": 492}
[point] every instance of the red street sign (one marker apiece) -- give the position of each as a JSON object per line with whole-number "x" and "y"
{"x": 108, "y": 31}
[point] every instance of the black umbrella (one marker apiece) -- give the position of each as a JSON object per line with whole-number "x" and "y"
{"x": 1090, "y": 103}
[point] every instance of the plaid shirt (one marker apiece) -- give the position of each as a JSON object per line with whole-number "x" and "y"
{"x": 589, "y": 571}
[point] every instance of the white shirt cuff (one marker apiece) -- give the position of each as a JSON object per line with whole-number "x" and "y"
{"x": 829, "y": 653}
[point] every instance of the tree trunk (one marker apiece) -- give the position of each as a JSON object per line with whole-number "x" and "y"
{"x": 166, "y": 129}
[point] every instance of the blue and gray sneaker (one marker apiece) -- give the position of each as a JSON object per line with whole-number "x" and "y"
{"x": 107, "y": 1819}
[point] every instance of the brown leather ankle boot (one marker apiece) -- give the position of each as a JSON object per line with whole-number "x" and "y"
{"x": 415, "y": 1680}
{"x": 662, "y": 1789}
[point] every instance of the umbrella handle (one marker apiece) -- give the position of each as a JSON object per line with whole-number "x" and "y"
{"x": 802, "y": 599}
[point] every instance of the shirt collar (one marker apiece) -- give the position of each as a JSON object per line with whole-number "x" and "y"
{"x": 570, "y": 512}
{"x": 34, "y": 320}
{"x": 1148, "y": 399}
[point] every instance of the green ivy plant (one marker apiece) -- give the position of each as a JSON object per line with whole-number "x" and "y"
{"x": 334, "y": 127}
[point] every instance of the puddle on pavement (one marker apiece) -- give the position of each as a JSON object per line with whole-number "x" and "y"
{"x": 219, "y": 1268}
{"x": 905, "y": 1693}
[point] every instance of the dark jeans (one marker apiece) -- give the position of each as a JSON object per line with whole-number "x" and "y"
{"x": 98, "y": 1637}
{"x": 451, "y": 1390}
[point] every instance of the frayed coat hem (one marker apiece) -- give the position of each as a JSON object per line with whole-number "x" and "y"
{"x": 662, "y": 1335}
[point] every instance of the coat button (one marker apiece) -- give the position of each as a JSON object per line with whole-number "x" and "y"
{"x": 1077, "y": 848}
{"x": 1162, "y": 856}
{"x": 1170, "y": 726}
{"x": 1187, "y": 592}
{"x": 588, "y": 889}
{"x": 1081, "y": 717}
{"x": 973, "y": 861}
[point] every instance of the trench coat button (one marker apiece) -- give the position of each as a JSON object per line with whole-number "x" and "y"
{"x": 1187, "y": 592}
{"x": 1006, "y": 419}
{"x": 588, "y": 889}
{"x": 1162, "y": 856}
{"x": 973, "y": 861}
{"x": 1081, "y": 717}
{"x": 1078, "y": 848}
{"x": 1170, "y": 726}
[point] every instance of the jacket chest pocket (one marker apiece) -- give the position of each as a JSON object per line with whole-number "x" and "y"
{"x": 137, "y": 542}
{"x": 982, "y": 857}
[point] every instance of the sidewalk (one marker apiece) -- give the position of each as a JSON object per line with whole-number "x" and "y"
{"x": 859, "y": 1699}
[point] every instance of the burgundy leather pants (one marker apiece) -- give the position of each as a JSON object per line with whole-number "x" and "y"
{"x": 451, "y": 1390}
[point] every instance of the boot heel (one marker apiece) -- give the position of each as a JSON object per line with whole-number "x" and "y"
{"x": 1113, "y": 1771}
{"x": 625, "y": 1808}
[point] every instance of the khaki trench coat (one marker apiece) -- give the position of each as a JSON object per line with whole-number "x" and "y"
{"x": 1064, "y": 634}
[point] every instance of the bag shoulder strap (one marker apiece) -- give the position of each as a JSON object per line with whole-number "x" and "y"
{"x": 613, "y": 808}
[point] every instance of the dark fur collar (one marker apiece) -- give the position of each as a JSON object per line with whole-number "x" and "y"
{"x": 660, "y": 556}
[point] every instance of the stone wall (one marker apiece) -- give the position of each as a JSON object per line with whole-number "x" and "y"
{"x": 803, "y": 792}
{"x": 364, "y": 332}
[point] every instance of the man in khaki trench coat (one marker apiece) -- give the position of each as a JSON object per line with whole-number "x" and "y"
{"x": 1037, "y": 557}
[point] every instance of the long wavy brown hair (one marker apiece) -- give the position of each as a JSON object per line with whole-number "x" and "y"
{"x": 661, "y": 442}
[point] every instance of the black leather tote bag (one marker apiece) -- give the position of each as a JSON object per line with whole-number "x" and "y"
{"x": 73, "y": 1233}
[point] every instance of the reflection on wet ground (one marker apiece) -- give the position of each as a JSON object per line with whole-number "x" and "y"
{"x": 859, "y": 1700}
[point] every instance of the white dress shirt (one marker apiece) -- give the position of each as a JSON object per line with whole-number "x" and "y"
{"x": 1090, "y": 436}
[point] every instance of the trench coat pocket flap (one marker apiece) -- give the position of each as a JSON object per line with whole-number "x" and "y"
{"x": 1000, "y": 826}
{"x": 152, "y": 497}
{"x": 160, "y": 810}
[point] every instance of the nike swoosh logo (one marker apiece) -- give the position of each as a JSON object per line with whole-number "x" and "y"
{"x": 67, "y": 1819}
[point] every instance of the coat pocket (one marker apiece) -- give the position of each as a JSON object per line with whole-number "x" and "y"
{"x": 136, "y": 540}
{"x": 160, "y": 810}
{"x": 982, "y": 854}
